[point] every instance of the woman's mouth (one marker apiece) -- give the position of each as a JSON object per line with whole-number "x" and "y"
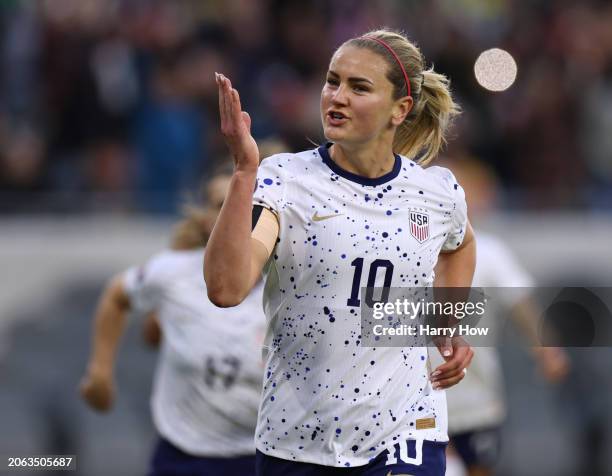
{"x": 335, "y": 118}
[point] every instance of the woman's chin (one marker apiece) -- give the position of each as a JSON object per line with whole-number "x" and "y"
{"x": 334, "y": 134}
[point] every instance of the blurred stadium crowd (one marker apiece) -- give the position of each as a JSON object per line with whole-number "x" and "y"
{"x": 111, "y": 105}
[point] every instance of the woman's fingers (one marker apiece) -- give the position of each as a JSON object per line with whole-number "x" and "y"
{"x": 230, "y": 102}
{"x": 247, "y": 120}
{"x": 452, "y": 372}
{"x": 454, "y": 376}
{"x": 448, "y": 382}
{"x": 222, "y": 102}
{"x": 236, "y": 111}
{"x": 225, "y": 104}
{"x": 230, "y": 108}
{"x": 237, "y": 107}
{"x": 236, "y": 127}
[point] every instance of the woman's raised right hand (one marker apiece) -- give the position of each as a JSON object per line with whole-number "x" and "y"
{"x": 236, "y": 128}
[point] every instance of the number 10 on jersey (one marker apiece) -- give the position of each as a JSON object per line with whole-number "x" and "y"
{"x": 375, "y": 267}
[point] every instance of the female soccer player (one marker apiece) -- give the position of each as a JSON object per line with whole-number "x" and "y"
{"x": 208, "y": 379}
{"x": 325, "y": 223}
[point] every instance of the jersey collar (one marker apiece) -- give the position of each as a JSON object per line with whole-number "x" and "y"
{"x": 327, "y": 160}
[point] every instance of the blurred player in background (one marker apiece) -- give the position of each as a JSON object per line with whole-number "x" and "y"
{"x": 476, "y": 408}
{"x": 208, "y": 379}
{"x": 323, "y": 218}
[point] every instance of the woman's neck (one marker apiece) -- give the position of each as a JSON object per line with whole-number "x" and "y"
{"x": 370, "y": 161}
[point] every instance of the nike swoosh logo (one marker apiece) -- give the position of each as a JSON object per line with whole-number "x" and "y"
{"x": 317, "y": 217}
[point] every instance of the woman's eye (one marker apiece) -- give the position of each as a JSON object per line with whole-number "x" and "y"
{"x": 332, "y": 81}
{"x": 360, "y": 88}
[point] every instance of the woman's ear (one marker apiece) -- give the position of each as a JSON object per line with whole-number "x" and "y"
{"x": 401, "y": 109}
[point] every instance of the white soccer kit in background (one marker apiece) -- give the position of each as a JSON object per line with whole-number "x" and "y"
{"x": 326, "y": 399}
{"x": 208, "y": 379}
{"x": 478, "y": 401}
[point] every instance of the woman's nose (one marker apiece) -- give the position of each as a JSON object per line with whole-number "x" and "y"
{"x": 340, "y": 96}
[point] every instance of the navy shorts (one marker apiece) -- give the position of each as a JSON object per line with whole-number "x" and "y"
{"x": 478, "y": 448}
{"x": 168, "y": 460}
{"x": 413, "y": 458}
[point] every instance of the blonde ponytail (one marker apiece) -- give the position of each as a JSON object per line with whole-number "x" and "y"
{"x": 423, "y": 133}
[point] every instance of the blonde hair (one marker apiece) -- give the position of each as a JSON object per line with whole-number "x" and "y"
{"x": 194, "y": 229}
{"x": 423, "y": 132}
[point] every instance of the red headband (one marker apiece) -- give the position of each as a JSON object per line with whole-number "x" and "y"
{"x": 378, "y": 40}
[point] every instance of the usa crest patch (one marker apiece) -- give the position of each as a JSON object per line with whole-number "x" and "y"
{"x": 419, "y": 225}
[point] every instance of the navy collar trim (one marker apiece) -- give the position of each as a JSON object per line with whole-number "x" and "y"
{"x": 327, "y": 160}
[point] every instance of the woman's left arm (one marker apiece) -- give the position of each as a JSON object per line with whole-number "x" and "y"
{"x": 455, "y": 269}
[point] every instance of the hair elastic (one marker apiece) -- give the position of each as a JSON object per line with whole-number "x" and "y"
{"x": 378, "y": 40}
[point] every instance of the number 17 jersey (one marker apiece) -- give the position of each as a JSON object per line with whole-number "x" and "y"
{"x": 326, "y": 398}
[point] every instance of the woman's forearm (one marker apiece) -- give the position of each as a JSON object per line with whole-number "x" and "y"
{"x": 109, "y": 326}
{"x": 228, "y": 258}
{"x": 454, "y": 273}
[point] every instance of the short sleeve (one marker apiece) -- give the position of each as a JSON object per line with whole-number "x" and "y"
{"x": 270, "y": 185}
{"x": 458, "y": 210}
{"x": 142, "y": 287}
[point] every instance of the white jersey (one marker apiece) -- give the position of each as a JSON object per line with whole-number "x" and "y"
{"x": 478, "y": 402}
{"x": 208, "y": 378}
{"x": 327, "y": 399}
